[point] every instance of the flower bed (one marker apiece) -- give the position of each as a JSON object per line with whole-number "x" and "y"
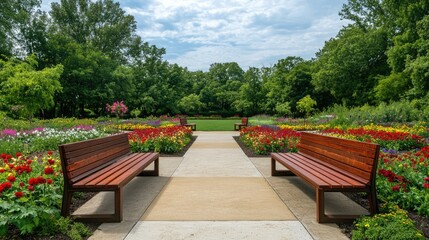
{"x": 30, "y": 195}
{"x": 403, "y": 179}
{"x": 264, "y": 139}
{"x": 391, "y": 140}
{"x": 169, "y": 139}
{"x": 43, "y": 139}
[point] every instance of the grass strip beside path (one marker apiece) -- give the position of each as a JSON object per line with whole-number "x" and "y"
{"x": 215, "y": 125}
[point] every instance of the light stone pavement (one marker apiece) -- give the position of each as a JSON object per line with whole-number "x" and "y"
{"x": 216, "y": 192}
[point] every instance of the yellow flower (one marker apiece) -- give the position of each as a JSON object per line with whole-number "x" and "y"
{"x": 367, "y": 225}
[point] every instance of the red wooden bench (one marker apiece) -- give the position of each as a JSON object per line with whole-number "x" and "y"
{"x": 331, "y": 164}
{"x": 103, "y": 164}
{"x": 243, "y": 124}
{"x": 184, "y": 122}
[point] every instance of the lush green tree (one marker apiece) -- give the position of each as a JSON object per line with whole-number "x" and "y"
{"x": 406, "y": 26}
{"x": 13, "y": 15}
{"x": 306, "y": 105}
{"x": 278, "y": 85}
{"x": 25, "y": 90}
{"x": 348, "y": 66}
{"x": 190, "y": 104}
{"x": 96, "y": 42}
{"x": 251, "y": 97}
{"x": 221, "y": 89}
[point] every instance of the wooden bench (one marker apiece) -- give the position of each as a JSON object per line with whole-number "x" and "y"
{"x": 243, "y": 124}
{"x": 103, "y": 164}
{"x": 331, "y": 164}
{"x": 184, "y": 122}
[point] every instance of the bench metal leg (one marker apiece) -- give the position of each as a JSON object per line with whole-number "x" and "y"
{"x": 275, "y": 172}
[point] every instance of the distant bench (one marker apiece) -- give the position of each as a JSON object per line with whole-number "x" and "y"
{"x": 102, "y": 164}
{"x": 243, "y": 124}
{"x": 184, "y": 122}
{"x": 332, "y": 164}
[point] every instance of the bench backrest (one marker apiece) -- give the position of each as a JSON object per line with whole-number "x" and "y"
{"x": 244, "y": 121}
{"x": 80, "y": 159}
{"x": 183, "y": 121}
{"x": 359, "y": 158}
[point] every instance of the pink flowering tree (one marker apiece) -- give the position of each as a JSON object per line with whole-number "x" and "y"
{"x": 117, "y": 108}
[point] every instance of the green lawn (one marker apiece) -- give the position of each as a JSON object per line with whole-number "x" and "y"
{"x": 215, "y": 125}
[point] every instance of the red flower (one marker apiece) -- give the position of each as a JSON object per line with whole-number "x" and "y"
{"x": 396, "y": 188}
{"x": 427, "y": 179}
{"x": 51, "y": 161}
{"x": 40, "y": 180}
{"x": 18, "y": 154}
{"x": 6, "y": 185}
{"x": 2, "y": 170}
{"x": 21, "y": 184}
{"x": 50, "y": 153}
{"x": 11, "y": 178}
{"x": 29, "y": 161}
{"x": 30, "y": 188}
{"x": 49, "y": 181}
{"x": 1, "y": 189}
{"x": 426, "y": 185}
{"x": 49, "y": 170}
{"x": 19, "y": 194}
{"x": 32, "y": 181}
{"x": 3, "y": 155}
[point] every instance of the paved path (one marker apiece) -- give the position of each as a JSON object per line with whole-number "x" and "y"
{"x": 216, "y": 192}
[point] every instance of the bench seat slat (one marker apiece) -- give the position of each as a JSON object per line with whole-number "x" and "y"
{"x": 98, "y": 177}
{"x": 345, "y": 173}
{"x": 313, "y": 170}
{"x": 331, "y": 175}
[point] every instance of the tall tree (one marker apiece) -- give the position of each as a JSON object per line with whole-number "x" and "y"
{"x": 348, "y": 65}
{"x": 13, "y": 15}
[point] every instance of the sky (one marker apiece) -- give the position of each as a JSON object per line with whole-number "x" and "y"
{"x": 253, "y": 33}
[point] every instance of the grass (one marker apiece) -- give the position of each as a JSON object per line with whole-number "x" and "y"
{"x": 215, "y": 125}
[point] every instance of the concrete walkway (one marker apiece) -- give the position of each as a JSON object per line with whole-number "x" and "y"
{"x": 216, "y": 192}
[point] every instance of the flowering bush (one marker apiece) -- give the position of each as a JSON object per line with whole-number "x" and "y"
{"x": 168, "y": 139}
{"x": 264, "y": 139}
{"x": 43, "y": 139}
{"x": 392, "y": 225}
{"x": 403, "y": 179}
{"x": 30, "y": 192}
{"x": 395, "y": 140}
{"x": 117, "y": 108}
{"x": 304, "y": 127}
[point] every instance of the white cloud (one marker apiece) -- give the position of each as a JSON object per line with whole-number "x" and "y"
{"x": 253, "y": 33}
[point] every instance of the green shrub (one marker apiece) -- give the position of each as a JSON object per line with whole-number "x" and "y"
{"x": 390, "y": 226}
